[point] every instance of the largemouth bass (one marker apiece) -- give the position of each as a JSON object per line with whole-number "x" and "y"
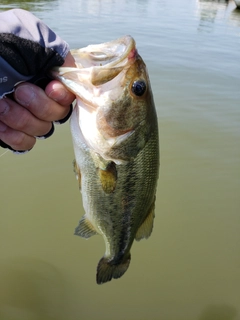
{"x": 115, "y": 137}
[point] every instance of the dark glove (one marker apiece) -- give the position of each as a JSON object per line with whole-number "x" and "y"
{"x": 28, "y": 49}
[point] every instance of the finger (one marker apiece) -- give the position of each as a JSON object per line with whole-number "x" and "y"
{"x": 35, "y": 100}
{"x": 56, "y": 91}
{"x": 19, "y": 118}
{"x": 15, "y": 139}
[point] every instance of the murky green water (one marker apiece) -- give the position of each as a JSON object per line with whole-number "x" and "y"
{"x": 190, "y": 267}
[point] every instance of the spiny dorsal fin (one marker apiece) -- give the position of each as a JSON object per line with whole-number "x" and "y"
{"x": 77, "y": 172}
{"x": 85, "y": 229}
{"x": 108, "y": 177}
{"x": 145, "y": 230}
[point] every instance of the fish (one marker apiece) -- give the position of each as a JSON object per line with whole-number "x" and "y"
{"x": 114, "y": 128}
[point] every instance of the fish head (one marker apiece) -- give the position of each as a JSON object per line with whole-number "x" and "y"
{"x": 115, "y": 108}
{"x": 126, "y": 99}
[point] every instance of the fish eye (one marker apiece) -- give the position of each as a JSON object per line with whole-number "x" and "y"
{"x": 139, "y": 87}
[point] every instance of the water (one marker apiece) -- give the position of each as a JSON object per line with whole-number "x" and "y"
{"x": 190, "y": 267}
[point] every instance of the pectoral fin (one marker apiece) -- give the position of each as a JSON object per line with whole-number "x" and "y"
{"x": 146, "y": 227}
{"x": 77, "y": 172}
{"x": 85, "y": 229}
{"x": 108, "y": 177}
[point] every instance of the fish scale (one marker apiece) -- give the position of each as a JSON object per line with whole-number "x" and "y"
{"x": 115, "y": 137}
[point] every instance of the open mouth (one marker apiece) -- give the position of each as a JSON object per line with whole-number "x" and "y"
{"x": 109, "y": 54}
{"x": 97, "y": 65}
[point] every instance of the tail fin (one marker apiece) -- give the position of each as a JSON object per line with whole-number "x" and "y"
{"x": 106, "y": 270}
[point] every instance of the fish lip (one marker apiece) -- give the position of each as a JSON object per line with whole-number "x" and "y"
{"x": 109, "y": 54}
{"x": 118, "y": 53}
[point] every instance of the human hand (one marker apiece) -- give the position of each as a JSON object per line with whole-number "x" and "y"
{"x": 31, "y": 112}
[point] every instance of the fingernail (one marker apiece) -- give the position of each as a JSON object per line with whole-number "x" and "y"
{"x": 57, "y": 94}
{"x": 24, "y": 94}
{"x": 4, "y": 107}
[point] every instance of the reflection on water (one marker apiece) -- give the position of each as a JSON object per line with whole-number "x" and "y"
{"x": 235, "y": 17}
{"x": 210, "y": 11}
{"x": 189, "y": 268}
{"x": 30, "y": 5}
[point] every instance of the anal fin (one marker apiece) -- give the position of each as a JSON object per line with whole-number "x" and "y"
{"x": 85, "y": 229}
{"x": 145, "y": 230}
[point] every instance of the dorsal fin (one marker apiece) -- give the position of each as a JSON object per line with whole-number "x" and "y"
{"x": 85, "y": 229}
{"x": 145, "y": 230}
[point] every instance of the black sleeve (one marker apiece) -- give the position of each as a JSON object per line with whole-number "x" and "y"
{"x": 28, "y": 48}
